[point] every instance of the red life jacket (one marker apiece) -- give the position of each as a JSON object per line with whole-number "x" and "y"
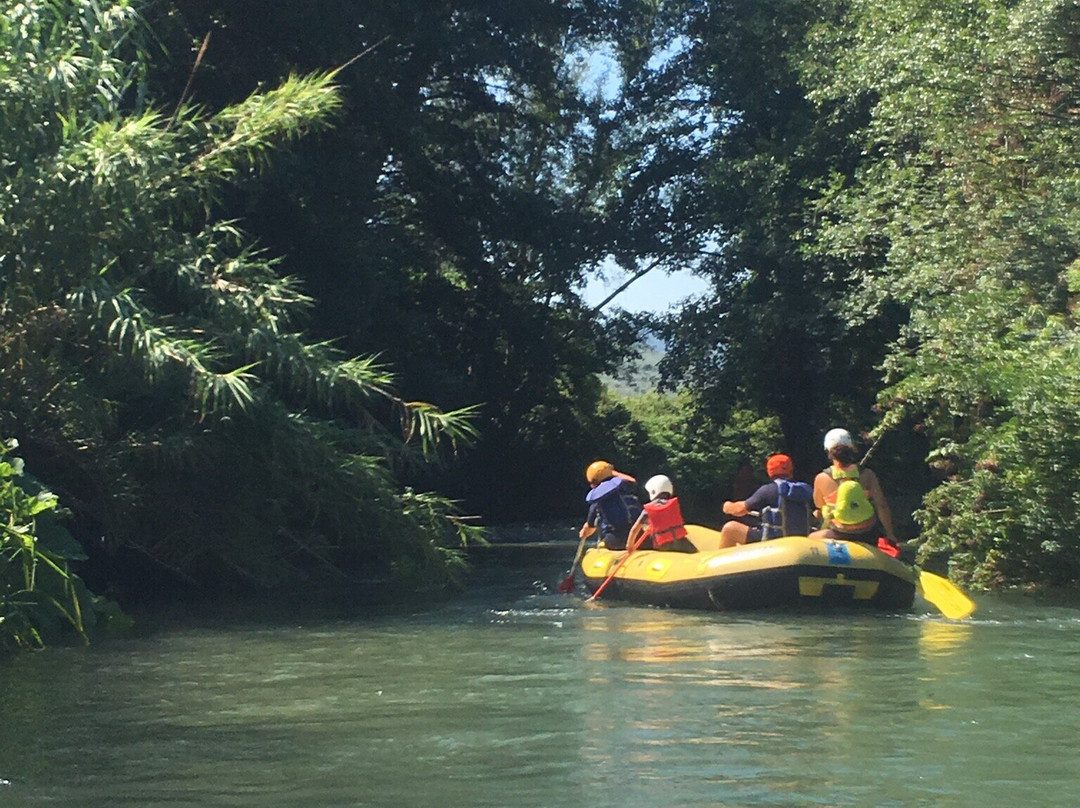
{"x": 665, "y": 521}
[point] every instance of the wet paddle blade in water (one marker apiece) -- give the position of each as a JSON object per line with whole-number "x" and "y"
{"x": 567, "y": 584}
{"x": 945, "y": 595}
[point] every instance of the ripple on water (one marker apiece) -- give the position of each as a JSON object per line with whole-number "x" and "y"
{"x": 514, "y": 696}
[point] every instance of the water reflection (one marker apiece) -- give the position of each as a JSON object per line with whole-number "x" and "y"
{"x": 517, "y": 697}
{"x": 938, "y": 638}
{"x": 731, "y": 693}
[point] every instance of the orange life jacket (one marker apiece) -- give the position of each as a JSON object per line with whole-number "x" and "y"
{"x": 665, "y": 521}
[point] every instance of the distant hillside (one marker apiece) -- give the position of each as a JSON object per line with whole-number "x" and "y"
{"x": 639, "y": 376}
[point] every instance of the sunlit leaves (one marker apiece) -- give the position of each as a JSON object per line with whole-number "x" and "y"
{"x": 428, "y": 424}
{"x": 142, "y": 334}
{"x": 965, "y": 211}
{"x": 36, "y": 586}
{"x": 242, "y": 135}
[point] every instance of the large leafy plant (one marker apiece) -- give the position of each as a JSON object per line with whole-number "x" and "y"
{"x": 154, "y": 360}
{"x": 39, "y": 595}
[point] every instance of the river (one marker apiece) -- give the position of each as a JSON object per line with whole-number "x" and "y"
{"x": 515, "y": 696}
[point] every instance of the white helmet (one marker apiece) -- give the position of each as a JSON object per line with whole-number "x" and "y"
{"x": 838, "y": 437}
{"x": 659, "y": 485}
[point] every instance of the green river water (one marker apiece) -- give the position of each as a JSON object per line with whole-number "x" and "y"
{"x": 513, "y": 695}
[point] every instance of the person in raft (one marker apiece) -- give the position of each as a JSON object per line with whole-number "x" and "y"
{"x": 614, "y": 505}
{"x": 850, "y": 500}
{"x": 778, "y": 501}
{"x": 661, "y": 520}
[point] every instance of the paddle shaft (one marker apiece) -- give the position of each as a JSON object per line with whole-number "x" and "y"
{"x": 618, "y": 566}
{"x": 568, "y": 582}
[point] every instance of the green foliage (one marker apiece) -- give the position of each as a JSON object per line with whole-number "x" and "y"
{"x": 1004, "y": 412}
{"x": 964, "y": 210}
{"x": 727, "y": 159}
{"x": 450, "y": 218}
{"x": 39, "y": 595}
{"x": 657, "y": 433}
{"x": 884, "y": 197}
{"x": 154, "y": 360}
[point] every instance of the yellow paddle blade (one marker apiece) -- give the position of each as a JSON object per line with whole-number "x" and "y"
{"x": 945, "y": 595}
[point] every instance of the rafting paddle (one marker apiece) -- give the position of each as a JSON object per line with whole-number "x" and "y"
{"x": 618, "y": 566}
{"x": 567, "y": 584}
{"x": 949, "y": 599}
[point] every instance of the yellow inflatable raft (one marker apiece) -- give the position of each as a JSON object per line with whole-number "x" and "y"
{"x": 793, "y": 570}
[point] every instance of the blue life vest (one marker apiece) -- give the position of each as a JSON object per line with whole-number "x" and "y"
{"x": 792, "y": 513}
{"x": 618, "y": 503}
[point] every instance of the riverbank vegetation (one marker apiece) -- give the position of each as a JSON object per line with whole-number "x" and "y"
{"x": 155, "y": 361}
{"x": 289, "y": 291}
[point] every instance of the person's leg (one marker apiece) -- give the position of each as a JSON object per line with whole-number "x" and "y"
{"x": 733, "y": 533}
{"x": 613, "y": 542}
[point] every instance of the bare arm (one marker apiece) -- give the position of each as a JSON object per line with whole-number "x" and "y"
{"x": 736, "y": 508}
{"x": 823, "y": 484}
{"x": 636, "y": 529}
{"x": 881, "y": 505}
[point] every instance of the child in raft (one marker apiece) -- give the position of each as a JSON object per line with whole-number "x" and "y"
{"x": 613, "y": 505}
{"x": 661, "y": 520}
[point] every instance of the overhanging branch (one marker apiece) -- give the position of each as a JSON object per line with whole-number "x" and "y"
{"x": 641, "y": 273}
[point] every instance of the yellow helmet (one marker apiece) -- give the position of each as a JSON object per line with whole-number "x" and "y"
{"x": 599, "y": 471}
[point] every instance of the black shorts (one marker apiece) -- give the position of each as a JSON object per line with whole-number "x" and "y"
{"x": 677, "y": 546}
{"x": 613, "y": 542}
{"x": 868, "y": 536}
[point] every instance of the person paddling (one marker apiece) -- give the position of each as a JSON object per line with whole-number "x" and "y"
{"x": 780, "y": 469}
{"x": 850, "y": 500}
{"x": 661, "y": 519}
{"x": 614, "y": 505}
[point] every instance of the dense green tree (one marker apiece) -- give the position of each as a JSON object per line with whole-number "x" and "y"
{"x": 737, "y": 157}
{"x": 448, "y": 221}
{"x": 964, "y": 210}
{"x": 153, "y": 364}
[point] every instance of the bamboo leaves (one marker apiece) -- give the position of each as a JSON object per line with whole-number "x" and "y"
{"x": 240, "y": 136}
{"x": 428, "y": 424}
{"x": 153, "y": 348}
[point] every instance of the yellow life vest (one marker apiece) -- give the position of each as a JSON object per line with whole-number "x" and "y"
{"x": 850, "y": 473}
{"x": 853, "y": 499}
{"x": 852, "y": 506}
